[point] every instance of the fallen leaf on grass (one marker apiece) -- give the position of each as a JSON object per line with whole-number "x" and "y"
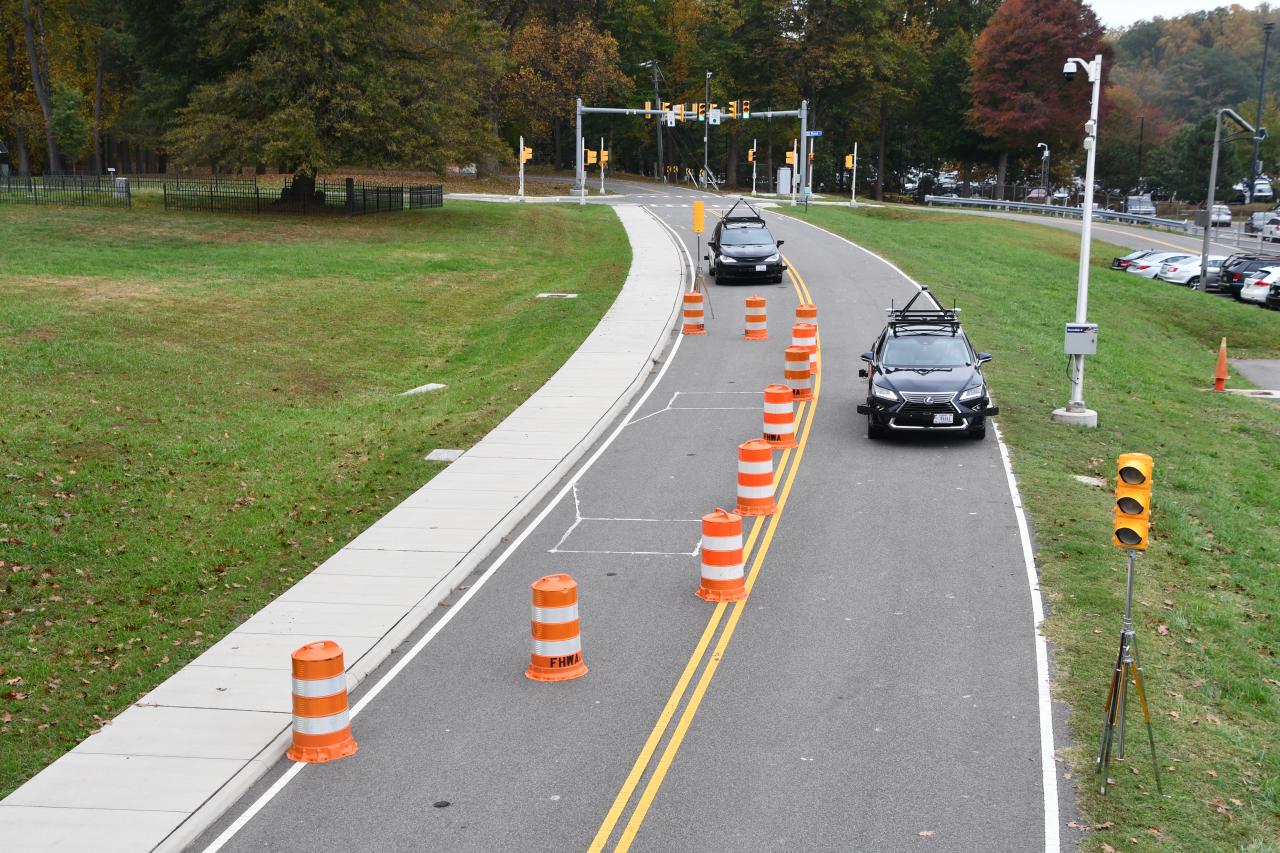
{"x": 1107, "y": 848}
{"x": 1213, "y": 773}
{"x": 1104, "y": 825}
{"x": 1162, "y": 630}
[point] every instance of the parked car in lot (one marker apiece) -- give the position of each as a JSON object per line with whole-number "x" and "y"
{"x": 1132, "y": 257}
{"x": 1188, "y": 272}
{"x": 1220, "y": 218}
{"x": 923, "y": 375}
{"x": 1037, "y": 196}
{"x": 1257, "y": 285}
{"x": 1237, "y": 267}
{"x": 1139, "y": 205}
{"x": 1271, "y": 229}
{"x": 1253, "y": 225}
{"x": 1262, "y": 190}
{"x": 1273, "y": 297}
{"x": 1149, "y": 266}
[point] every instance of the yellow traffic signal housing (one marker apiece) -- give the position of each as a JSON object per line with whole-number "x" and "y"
{"x": 733, "y": 109}
{"x": 590, "y": 156}
{"x": 648, "y": 105}
{"x": 604, "y": 157}
{"x": 526, "y": 155}
{"x": 791, "y": 158}
{"x": 1131, "y": 526}
{"x": 810, "y": 156}
{"x": 848, "y": 161}
{"x": 679, "y": 112}
{"x": 746, "y": 108}
{"x": 751, "y": 155}
{"x": 702, "y": 112}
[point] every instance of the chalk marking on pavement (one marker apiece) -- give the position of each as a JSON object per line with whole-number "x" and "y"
{"x": 677, "y": 694}
{"x": 708, "y": 673}
{"x": 670, "y": 407}
{"x": 268, "y": 795}
{"x": 578, "y": 518}
{"x": 1048, "y": 769}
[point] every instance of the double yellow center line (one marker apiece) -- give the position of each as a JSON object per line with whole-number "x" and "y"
{"x": 762, "y": 532}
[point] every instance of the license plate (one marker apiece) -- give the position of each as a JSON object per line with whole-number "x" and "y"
{"x": 760, "y": 267}
{"x": 944, "y": 419}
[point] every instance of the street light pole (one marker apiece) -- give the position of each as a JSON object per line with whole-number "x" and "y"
{"x": 1044, "y": 169}
{"x": 657, "y": 105}
{"x": 706, "y": 134}
{"x": 1075, "y": 411}
{"x": 1258, "y": 136}
{"x": 1267, "y": 29}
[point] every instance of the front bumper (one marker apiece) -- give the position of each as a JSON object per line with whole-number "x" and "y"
{"x": 750, "y": 270}
{"x": 901, "y": 415}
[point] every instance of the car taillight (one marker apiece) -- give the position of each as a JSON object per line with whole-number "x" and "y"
{"x": 1173, "y": 269}
{"x": 1145, "y": 267}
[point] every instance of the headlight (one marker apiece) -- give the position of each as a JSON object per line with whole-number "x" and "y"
{"x": 772, "y": 258}
{"x": 883, "y": 393}
{"x": 972, "y": 393}
{"x": 725, "y": 259}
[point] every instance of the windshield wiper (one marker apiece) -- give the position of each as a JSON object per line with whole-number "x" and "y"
{"x": 921, "y": 370}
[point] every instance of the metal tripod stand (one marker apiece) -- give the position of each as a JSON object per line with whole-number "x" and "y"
{"x": 1127, "y": 667}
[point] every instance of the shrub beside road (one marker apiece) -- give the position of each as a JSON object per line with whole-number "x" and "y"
{"x": 199, "y": 409}
{"x": 1207, "y": 596}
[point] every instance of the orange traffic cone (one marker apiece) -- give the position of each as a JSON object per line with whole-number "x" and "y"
{"x": 1220, "y": 375}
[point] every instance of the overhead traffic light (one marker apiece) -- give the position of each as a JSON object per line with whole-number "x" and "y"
{"x": 848, "y": 161}
{"x": 1132, "y": 525}
{"x": 648, "y": 105}
{"x": 746, "y": 108}
{"x": 733, "y": 109}
{"x": 702, "y": 112}
{"x": 679, "y": 112}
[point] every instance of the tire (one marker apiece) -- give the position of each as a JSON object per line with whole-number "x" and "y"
{"x": 978, "y": 433}
{"x": 1194, "y": 282}
{"x": 875, "y": 432}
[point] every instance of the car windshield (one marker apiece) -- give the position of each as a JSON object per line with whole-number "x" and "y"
{"x": 745, "y": 237}
{"x": 925, "y": 351}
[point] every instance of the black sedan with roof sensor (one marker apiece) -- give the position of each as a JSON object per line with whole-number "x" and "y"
{"x": 924, "y": 376}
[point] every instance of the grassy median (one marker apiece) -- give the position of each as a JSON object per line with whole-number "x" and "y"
{"x": 1208, "y": 591}
{"x": 199, "y": 409}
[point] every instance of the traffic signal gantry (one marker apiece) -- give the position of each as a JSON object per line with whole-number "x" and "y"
{"x": 1131, "y": 530}
{"x": 670, "y": 113}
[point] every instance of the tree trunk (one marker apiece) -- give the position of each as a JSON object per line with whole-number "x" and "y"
{"x": 37, "y": 57}
{"x": 1002, "y": 169}
{"x": 97, "y": 108}
{"x": 884, "y": 134}
{"x": 20, "y": 143}
{"x": 556, "y": 159}
{"x": 966, "y": 177}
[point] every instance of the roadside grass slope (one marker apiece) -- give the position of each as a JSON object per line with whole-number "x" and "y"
{"x": 199, "y": 409}
{"x": 1208, "y": 591}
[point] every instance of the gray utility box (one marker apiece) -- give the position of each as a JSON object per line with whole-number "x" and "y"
{"x": 1082, "y": 339}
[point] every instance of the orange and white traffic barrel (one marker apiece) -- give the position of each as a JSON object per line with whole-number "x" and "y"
{"x": 806, "y": 335}
{"x": 807, "y": 313}
{"x": 798, "y": 373}
{"x": 722, "y": 576}
{"x": 557, "y": 637}
{"x": 694, "y": 324}
{"x": 755, "y": 478}
{"x": 779, "y": 417}
{"x": 321, "y": 726}
{"x": 757, "y": 319}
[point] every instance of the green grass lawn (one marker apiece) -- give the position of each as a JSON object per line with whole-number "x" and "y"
{"x": 1208, "y": 591}
{"x": 199, "y": 409}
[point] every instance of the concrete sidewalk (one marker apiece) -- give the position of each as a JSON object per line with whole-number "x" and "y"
{"x": 167, "y": 767}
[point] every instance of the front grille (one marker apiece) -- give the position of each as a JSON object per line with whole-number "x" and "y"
{"x": 929, "y": 397}
{"x": 926, "y": 409}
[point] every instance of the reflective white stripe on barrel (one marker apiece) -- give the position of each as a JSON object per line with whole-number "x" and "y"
{"x": 321, "y": 725}
{"x": 755, "y": 491}
{"x": 722, "y": 573}
{"x": 765, "y": 467}
{"x": 779, "y": 427}
{"x": 779, "y": 408}
{"x": 557, "y": 648}
{"x": 722, "y": 543}
{"x": 315, "y": 688}
{"x": 555, "y": 615}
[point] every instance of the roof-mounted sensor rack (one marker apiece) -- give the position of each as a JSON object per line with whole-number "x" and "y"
{"x": 753, "y": 217}
{"x": 927, "y": 319}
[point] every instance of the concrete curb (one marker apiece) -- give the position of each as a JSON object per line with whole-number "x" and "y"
{"x": 170, "y": 765}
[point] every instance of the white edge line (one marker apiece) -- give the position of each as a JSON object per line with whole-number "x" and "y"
{"x": 268, "y": 795}
{"x": 1048, "y": 768}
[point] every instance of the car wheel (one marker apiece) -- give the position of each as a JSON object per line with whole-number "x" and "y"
{"x": 978, "y": 433}
{"x": 874, "y": 430}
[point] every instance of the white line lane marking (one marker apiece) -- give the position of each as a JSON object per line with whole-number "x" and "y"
{"x": 1048, "y": 770}
{"x": 268, "y": 795}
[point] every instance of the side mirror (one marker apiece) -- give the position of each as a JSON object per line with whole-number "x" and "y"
{"x": 984, "y": 357}
{"x": 706, "y": 257}
{"x": 862, "y": 372}
{"x": 779, "y": 243}
{"x": 869, "y": 357}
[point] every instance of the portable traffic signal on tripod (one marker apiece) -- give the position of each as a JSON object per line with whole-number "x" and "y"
{"x": 1132, "y": 525}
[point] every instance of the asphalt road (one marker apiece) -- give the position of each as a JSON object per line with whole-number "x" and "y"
{"x": 877, "y": 691}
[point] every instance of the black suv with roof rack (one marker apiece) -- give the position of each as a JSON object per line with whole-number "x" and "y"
{"x": 924, "y": 376}
{"x": 741, "y": 247}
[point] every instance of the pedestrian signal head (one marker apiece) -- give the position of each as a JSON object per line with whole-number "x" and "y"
{"x": 791, "y": 158}
{"x": 590, "y": 158}
{"x": 526, "y": 154}
{"x": 1131, "y": 526}
{"x": 604, "y": 157}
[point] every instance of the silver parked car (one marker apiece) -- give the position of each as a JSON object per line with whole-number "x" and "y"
{"x": 1188, "y": 272}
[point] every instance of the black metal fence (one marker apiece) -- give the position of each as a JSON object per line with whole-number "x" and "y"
{"x": 248, "y": 196}
{"x": 73, "y": 189}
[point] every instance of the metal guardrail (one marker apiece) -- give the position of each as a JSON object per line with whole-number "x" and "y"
{"x": 1061, "y": 211}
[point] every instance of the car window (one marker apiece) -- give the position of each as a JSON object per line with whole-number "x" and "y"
{"x": 746, "y": 237}
{"x": 925, "y": 351}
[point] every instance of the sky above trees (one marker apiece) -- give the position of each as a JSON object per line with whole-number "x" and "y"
{"x": 1122, "y": 13}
